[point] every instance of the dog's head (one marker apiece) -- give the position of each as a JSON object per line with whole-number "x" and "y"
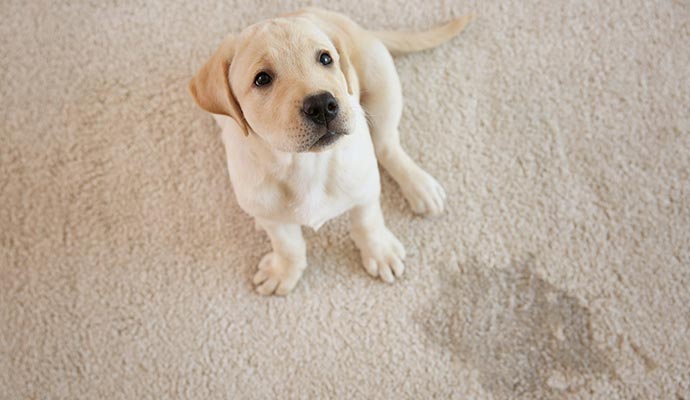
{"x": 283, "y": 79}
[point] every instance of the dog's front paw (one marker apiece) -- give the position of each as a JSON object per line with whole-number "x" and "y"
{"x": 424, "y": 194}
{"x": 277, "y": 275}
{"x": 382, "y": 254}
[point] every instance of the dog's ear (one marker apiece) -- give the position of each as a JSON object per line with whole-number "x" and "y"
{"x": 210, "y": 87}
{"x": 346, "y": 65}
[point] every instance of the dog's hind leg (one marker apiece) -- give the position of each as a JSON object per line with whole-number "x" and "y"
{"x": 382, "y": 101}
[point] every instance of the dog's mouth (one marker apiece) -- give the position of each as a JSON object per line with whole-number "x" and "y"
{"x": 328, "y": 138}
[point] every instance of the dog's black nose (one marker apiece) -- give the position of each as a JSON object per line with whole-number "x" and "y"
{"x": 321, "y": 108}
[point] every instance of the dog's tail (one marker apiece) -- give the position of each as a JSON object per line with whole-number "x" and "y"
{"x": 399, "y": 43}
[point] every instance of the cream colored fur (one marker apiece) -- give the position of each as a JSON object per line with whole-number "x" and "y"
{"x": 279, "y": 177}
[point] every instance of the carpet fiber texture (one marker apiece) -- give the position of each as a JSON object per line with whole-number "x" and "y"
{"x": 561, "y": 268}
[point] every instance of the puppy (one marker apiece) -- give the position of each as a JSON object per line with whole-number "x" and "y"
{"x": 308, "y": 103}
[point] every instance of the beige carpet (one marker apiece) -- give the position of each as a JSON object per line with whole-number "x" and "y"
{"x": 561, "y": 269}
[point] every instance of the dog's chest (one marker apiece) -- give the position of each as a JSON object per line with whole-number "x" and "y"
{"x": 313, "y": 192}
{"x": 309, "y": 189}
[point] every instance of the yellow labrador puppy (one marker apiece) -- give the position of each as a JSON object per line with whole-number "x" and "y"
{"x": 308, "y": 102}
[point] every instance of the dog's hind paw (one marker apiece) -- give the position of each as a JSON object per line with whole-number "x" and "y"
{"x": 424, "y": 194}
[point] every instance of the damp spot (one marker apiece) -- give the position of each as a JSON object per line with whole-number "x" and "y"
{"x": 525, "y": 337}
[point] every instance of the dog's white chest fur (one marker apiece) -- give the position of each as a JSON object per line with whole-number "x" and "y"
{"x": 300, "y": 188}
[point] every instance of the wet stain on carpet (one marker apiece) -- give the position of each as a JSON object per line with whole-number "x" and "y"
{"x": 525, "y": 337}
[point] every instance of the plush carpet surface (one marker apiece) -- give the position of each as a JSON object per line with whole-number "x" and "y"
{"x": 561, "y": 268}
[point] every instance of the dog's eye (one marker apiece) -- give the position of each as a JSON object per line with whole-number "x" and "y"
{"x": 325, "y": 59}
{"x": 262, "y": 79}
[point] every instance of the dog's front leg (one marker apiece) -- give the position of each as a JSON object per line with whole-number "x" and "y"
{"x": 382, "y": 253}
{"x": 280, "y": 270}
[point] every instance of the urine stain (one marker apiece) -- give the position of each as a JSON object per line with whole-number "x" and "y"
{"x": 525, "y": 337}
